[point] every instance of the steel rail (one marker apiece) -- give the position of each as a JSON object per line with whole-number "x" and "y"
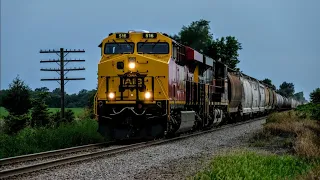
{"x": 46, "y": 154}
{"x": 109, "y": 152}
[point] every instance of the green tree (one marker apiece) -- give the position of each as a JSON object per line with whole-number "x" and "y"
{"x": 286, "y": 89}
{"x": 90, "y": 99}
{"x": 18, "y": 98}
{"x": 54, "y": 100}
{"x": 315, "y": 96}
{"x": 269, "y": 82}
{"x": 42, "y": 89}
{"x": 299, "y": 96}
{"x": 3, "y": 93}
{"x": 226, "y": 49}
{"x": 40, "y": 114}
{"x": 198, "y": 36}
{"x": 17, "y": 101}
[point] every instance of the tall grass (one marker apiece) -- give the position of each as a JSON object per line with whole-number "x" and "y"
{"x": 33, "y": 140}
{"x": 252, "y": 165}
{"x": 303, "y": 132}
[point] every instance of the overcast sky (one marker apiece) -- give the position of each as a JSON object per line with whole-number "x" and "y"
{"x": 279, "y": 37}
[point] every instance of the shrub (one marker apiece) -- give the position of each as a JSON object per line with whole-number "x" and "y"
{"x": 309, "y": 110}
{"x": 68, "y": 117}
{"x": 15, "y": 123}
{"x": 87, "y": 114}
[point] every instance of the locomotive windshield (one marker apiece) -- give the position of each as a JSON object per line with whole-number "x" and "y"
{"x": 153, "y": 47}
{"x": 118, "y": 48}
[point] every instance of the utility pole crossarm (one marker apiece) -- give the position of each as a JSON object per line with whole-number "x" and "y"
{"x": 58, "y": 60}
{"x": 68, "y": 69}
{"x": 49, "y": 69}
{"x": 61, "y": 62}
{"x": 67, "y": 79}
{"x": 74, "y": 69}
{"x": 66, "y": 51}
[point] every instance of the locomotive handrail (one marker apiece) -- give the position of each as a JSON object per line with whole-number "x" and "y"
{"x": 95, "y": 110}
{"x": 161, "y": 86}
{"x": 131, "y": 108}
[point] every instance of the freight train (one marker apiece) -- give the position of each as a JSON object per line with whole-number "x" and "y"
{"x": 151, "y": 86}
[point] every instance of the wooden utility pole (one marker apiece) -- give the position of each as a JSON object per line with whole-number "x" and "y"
{"x": 61, "y": 71}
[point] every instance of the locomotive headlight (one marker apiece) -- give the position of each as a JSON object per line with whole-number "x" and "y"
{"x": 132, "y": 65}
{"x": 132, "y": 62}
{"x": 147, "y": 95}
{"x": 111, "y": 95}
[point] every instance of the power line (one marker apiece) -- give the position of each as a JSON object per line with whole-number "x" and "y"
{"x": 62, "y": 71}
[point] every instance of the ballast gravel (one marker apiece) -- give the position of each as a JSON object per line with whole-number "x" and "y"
{"x": 175, "y": 160}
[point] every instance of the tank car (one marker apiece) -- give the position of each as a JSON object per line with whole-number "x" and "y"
{"x": 152, "y": 86}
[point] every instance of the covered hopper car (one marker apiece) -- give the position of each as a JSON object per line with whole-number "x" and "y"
{"x": 152, "y": 86}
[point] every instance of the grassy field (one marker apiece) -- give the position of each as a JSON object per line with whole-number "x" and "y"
{"x": 252, "y": 165}
{"x": 77, "y": 111}
{"x": 288, "y": 147}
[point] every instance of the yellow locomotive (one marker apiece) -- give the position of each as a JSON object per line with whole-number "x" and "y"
{"x": 151, "y": 86}
{"x": 133, "y": 93}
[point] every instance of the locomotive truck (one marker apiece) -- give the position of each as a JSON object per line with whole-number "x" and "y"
{"x": 151, "y": 86}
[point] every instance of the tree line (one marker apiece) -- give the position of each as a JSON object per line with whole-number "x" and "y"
{"x": 286, "y": 89}
{"x": 29, "y": 108}
{"x": 83, "y": 98}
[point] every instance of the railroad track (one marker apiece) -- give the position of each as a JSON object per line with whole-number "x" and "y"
{"x": 82, "y": 157}
{"x": 47, "y": 154}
